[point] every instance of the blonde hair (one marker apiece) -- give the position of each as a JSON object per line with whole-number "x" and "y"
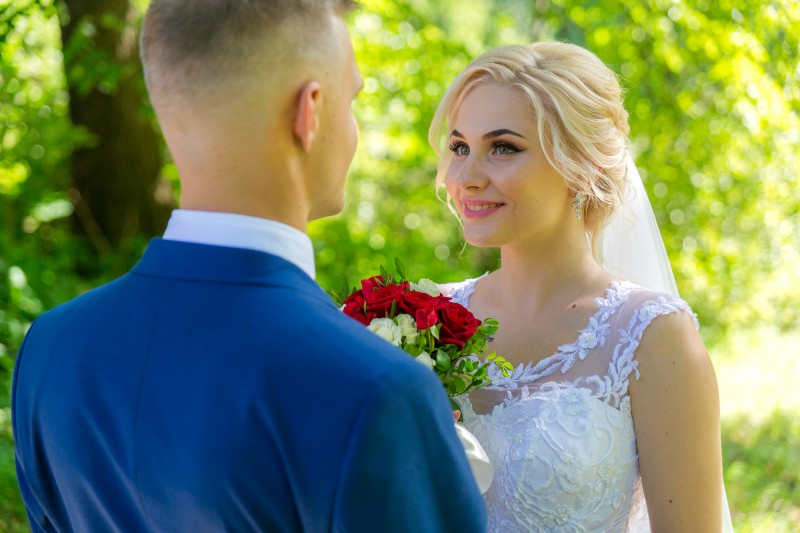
{"x": 576, "y": 101}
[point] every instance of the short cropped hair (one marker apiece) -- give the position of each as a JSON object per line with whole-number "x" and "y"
{"x": 576, "y": 102}
{"x": 192, "y": 47}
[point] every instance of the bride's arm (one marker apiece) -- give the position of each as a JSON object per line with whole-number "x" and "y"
{"x": 675, "y": 407}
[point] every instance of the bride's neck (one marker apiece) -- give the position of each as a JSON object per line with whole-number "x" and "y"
{"x": 540, "y": 277}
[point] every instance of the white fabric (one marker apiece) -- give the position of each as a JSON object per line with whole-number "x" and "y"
{"x": 242, "y": 231}
{"x": 481, "y": 466}
{"x": 560, "y": 433}
{"x": 631, "y": 244}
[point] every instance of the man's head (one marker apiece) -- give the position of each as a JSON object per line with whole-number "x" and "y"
{"x": 254, "y": 100}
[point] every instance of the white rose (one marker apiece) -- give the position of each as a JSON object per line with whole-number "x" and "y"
{"x": 408, "y": 327}
{"x": 427, "y": 286}
{"x": 386, "y": 329}
{"x": 426, "y": 360}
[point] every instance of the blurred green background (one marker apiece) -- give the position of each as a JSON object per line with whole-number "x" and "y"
{"x": 713, "y": 91}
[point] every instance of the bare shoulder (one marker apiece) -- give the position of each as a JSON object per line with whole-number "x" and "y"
{"x": 677, "y": 386}
{"x": 671, "y": 348}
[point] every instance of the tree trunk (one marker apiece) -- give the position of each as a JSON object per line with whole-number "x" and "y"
{"x": 118, "y": 191}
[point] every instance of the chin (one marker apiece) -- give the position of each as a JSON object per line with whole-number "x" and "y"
{"x": 482, "y": 239}
{"x": 329, "y": 210}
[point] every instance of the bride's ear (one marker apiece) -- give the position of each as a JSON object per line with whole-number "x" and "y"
{"x": 306, "y": 120}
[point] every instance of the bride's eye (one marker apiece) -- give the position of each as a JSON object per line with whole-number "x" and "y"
{"x": 459, "y": 148}
{"x": 504, "y": 148}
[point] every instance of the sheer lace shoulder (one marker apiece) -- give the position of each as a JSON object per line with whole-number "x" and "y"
{"x": 611, "y": 336}
{"x": 460, "y": 291}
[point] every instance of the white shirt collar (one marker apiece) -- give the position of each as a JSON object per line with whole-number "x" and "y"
{"x": 242, "y": 231}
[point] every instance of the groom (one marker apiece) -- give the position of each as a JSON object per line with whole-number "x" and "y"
{"x": 215, "y": 387}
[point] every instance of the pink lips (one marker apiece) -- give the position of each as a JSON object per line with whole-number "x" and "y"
{"x": 479, "y": 208}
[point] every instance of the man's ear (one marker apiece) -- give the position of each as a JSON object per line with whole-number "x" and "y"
{"x": 306, "y": 120}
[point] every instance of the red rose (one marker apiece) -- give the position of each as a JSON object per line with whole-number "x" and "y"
{"x": 425, "y": 318}
{"x": 458, "y": 324}
{"x": 413, "y": 300}
{"x": 369, "y": 284}
{"x": 380, "y": 299}
{"x": 354, "y": 308}
{"x": 421, "y": 306}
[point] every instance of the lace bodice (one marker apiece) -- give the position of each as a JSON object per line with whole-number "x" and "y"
{"x": 560, "y": 432}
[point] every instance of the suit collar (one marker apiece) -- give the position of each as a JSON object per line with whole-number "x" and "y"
{"x": 203, "y": 262}
{"x": 241, "y": 231}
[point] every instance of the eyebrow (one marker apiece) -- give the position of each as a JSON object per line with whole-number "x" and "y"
{"x": 491, "y": 135}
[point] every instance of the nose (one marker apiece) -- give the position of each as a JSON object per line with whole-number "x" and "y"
{"x": 468, "y": 173}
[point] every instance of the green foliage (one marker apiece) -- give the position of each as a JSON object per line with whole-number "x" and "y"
{"x": 712, "y": 91}
{"x": 762, "y": 473}
{"x": 39, "y": 257}
{"x": 35, "y": 140}
{"x": 12, "y": 512}
{"x": 713, "y": 96}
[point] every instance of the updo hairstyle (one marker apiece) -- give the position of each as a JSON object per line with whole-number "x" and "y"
{"x": 576, "y": 102}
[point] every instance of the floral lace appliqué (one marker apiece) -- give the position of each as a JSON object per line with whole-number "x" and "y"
{"x": 594, "y": 335}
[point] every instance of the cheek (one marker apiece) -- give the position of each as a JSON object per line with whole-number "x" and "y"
{"x": 450, "y": 186}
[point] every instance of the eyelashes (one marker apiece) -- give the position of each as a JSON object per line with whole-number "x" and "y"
{"x": 498, "y": 148}
{"x": 504, "y": 148}
{"x": 456, "y": 148}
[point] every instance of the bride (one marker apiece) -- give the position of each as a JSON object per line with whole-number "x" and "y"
{"x": 610, "y": 421}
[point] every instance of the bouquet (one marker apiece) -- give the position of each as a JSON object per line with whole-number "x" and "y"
{"x": 439, "y": 333}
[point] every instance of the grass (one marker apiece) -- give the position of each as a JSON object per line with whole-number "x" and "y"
{"x": 758, "y": 373}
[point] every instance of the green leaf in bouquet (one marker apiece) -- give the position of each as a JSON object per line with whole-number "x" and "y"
{"x": 412, "y": 349}
{"x": 505, "y": 367}
{"x": 459, "y": 384}
{"x": 339, "y": 296}
{"x": 489, "y": 327}
{"x": 336, "y": 297}
{"x": 386, "y": 277}
{"x": 401, "y": 271}
{"x": 442, "y": 361}
{"x": 475, "y": 384}
{"x": 345, "y": 288}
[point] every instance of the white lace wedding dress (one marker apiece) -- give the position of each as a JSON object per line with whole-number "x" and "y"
{"x": 560, "y": 433}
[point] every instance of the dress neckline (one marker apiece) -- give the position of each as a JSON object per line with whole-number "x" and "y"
{"x": 594, "y": 334}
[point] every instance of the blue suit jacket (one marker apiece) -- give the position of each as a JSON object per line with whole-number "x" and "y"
{"x": 219, "y": 389}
